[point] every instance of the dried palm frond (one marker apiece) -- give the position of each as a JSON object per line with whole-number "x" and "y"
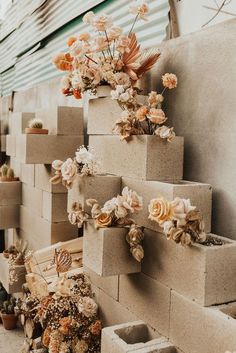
{"x": 148, "y": 60}
{"x": 131, "y": 58}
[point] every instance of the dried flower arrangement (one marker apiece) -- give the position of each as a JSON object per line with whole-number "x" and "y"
{"x": 36, "y": 127}
{"x": 7, "y": 174}
{"x": 84, "y": 163}
{"x": 180, "y": 221}
{"x": 110, "y": 57}
{"x": 139, "y": 119}
{"x": 17, "y": 255}
{"x": 68, "y": 320}
{"x": 114, "y": 213}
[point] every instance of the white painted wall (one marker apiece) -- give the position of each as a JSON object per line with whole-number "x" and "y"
{"x": 193, "y": 14}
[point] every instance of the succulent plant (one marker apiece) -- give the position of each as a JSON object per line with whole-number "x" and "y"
{"x": 9, "y": 306}
{"x": 36, "y": 124}
{"x": 4, "y": 170}
{"x": 10, "y": 173}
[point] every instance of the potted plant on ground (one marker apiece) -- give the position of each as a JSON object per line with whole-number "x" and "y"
{"x": 36, "y": 127}
{"x": 3, "y": 297}
{"x": 7, "y": 174}
{"x": 9, "y": 318}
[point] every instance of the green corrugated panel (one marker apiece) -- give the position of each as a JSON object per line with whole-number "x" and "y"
{"x": 36, "y": 67}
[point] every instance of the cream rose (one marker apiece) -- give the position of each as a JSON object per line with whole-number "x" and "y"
{"x": 165, "y": 132}
{"x": 157, "y": 116}
{"x": 154, "y": 99}
{"x": 57, "y": 164}
{"x": 160, "y": 210}
{"x": 180, "y": 208}
{"x": 103, "y": 220}
{"x": 68, "y": 170}
{"x": 88, "y": 307}
{"x": 131, "y": 200}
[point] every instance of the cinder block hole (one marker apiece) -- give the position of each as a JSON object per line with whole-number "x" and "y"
{"x": 230, "y": 310}
{"x": 135, "y": 334}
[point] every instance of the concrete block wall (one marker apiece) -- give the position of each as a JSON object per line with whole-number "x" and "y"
{"x": 43, "y": 212}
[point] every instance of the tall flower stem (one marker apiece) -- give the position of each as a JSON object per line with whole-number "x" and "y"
{"x": 91, "y": 59}
{"x": 135, "y": 20}
{"x": 109, "y": 48}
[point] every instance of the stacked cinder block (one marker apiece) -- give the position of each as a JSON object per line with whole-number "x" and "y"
{"x": 175, "y": 287}
{"x": 43, "y": 216}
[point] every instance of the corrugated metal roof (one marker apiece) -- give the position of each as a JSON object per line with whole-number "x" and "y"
{"x": 51, "y": 30}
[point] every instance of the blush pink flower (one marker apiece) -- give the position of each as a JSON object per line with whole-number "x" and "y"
{"x": 169, "y": 81}
{"x": 157, "y": 116}
{"x": 141, "y": 113}
{"x": 102, "y": 22}
{"x": 140, "y": 8}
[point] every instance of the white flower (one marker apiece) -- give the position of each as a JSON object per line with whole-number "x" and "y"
{"x": 88, "y": 18}
{"x": 114, "y": 33}
{"x": 116, "y": 93}
{"x": 110, "y": 205}
{"x": 68, "y": 170}
{"x": 57, "y": 164}
{"x": 88, "y": 307}
{"x": 165, "y": 132}
{"x": 83, "y": 155}
{"x": 180, "y": 208}
{"x": 167, "y": 226}
{"x": 131, "y": 200}
{"x": 102, "y": 22}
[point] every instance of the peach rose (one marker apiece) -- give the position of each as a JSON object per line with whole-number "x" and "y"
{"x": 160, "y": 210}
{"x": 180, "y": 208}
{"x": 169, "y": 81}
{"x": 88, "y": 307}
{"x": 102, "y": 22}
{"x": 141, "y": 113}
{"x": 114, "y": 33}
{"x": 96, "y": 327}
{"x": 103, "y": 220}
{"x": 154, "y": 99}
{"x": 157, "y": 116}
{"x": 140, "y": 8}
{"x": 84, "y": 37}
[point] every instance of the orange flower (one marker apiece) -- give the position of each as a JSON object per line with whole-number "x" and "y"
{"x": 63, "y": 61}
{"x": 71, "y": 40}
{"x": 77, "y": 94}
{"x": 103, "y": 220}
{"x": 96, "y": 327}
{"x": 141, "y": 113}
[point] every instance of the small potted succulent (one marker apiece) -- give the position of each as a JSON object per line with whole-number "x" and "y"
{"x": 36, "y": 127}
{"x": 7, "y": 174}
{"x": 3, "y": 297}
{"x": 9, "y": 318}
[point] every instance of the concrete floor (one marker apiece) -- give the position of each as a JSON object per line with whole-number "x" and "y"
{"x": 11, "y": 341}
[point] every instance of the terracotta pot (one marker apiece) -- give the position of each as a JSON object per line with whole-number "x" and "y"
{"x": 35, "y": 131}
{"x": 4, "y": 179}
{"x": 9, "y": 321}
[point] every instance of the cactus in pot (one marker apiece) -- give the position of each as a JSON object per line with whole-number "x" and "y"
{"x": 7, "y": 173}
{"x": 35, "y": 126}
{"x": 9, "y": 318}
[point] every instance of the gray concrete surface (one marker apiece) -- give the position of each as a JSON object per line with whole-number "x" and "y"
{"x": 11, "y": 341}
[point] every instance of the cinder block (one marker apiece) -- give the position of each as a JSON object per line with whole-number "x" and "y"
{"x": 10, "y": 193}
{"x": 205, "y": 274}
{"x": 32, "y": 198}
{"x": 98, "y": 251}
{"x": 148, "y": 299}
{"x": 4, "y": 275}
{"x": 46, "y": 233}
{"x": 62, "y": 120}
{"x": 42, "y": 175}
{"x": 9, "y": 216}
{"x": 130, "y": 337}
{"x": 11, "y": 145}
{"x": 100, "y": 187}
{"x": 111, "y": 312}
{"x": 3, "y": 143}
{"x": 199, "y": 194}
{"x": 195, "y": 329}
{"x": 145, "y": 157}
{"x": 16, "y": 166}
{"x": 27, "y": 174}
{"x": 103, "y": 113}
{"x": 18, "y": 121}
{"x": 54, "y": 207}
{"x": 44, "y": 149}
{"x": 109, "y": 285}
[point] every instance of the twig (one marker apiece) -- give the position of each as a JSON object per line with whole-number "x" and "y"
{"x": 216, "y": 14}
{"x": 222, "y": 11}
